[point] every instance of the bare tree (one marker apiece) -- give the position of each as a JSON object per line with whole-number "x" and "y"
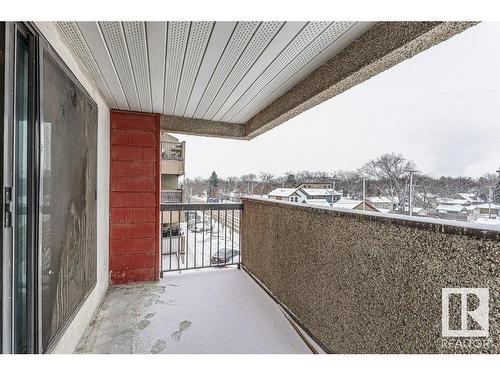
{"x": 348, "y": 182}
{"x": 390, "y": 173}
{"x": 426, "y": 191}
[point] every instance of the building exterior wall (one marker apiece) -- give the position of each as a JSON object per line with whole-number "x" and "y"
{"x": 369, "y": 282}
{"x": 69, "y": 340}
{"x": 169, "y": 182}
{"x": 134, "y": 197}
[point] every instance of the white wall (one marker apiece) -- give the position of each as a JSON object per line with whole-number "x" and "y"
{"x": 71, "y": 337}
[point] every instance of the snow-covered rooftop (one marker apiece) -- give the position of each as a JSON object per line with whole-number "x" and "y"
{"x": 449, "y": 201}
{"x": 487, "y": 205}
{"x": 317, "y": 202}
{"x": 380, "y": 199}
{"x": 347, "y": 203}
{"x": 282, "y": 192}
{"x": 450, "y": 208}
{"x": 319, "y": 192}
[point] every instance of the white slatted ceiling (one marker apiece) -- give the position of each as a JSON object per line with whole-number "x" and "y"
{"x": 135, "y": 35}
{"x": 225, "y": 71}
{"x": 77, "y": 43}
{"x": 198, "y": 40}
{"x": 277, "y": 80}
{"x": 292, "y": 51}
{"x": 117, "y": 47}
{"x": 239, "y": 39}
{"x": 260, "y": 40}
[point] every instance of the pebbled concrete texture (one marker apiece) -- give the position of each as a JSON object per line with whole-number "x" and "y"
{"x": 369, "y": 283}
{"x": 206, "y": 311}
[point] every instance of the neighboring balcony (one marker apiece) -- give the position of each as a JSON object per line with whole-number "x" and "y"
{"x": 172, "y": 196}
{"x": 172, "y": 158}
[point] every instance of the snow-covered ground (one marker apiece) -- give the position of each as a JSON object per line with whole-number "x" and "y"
{"x": 202, "y": 311}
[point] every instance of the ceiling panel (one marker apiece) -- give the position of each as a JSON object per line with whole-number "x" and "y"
{"x": 156, "y": 35}
{"x": 196, "y": 47}
{"x": 260, "y": 40}
{"x": 79, "y": 46}
{"x": 135, "y": 36}
{"x": 277, "y": 81}
{"x": 177, "y": 38}
{"x": 117, "y": 46}
{"x": 222, "y": 32}
{"x": 224, "y": 71}
{"x": 292, "y": 51}
{"x": 242, "y": 34}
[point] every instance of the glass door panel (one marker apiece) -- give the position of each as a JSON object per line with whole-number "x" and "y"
{"x": 20, "y": 198}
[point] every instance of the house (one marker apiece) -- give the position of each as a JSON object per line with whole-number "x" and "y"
{"x": 487, "y": 209}
{"x": 355, "y": 205}
{"x": 285, "y": 194}
{"x": 472, "y": 198}
{"x": 319, "y": 193}
{"x": 382, "y": 202}
{"x": 315, "y": 185}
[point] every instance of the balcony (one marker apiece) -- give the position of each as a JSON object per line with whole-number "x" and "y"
{"x": 172, "y": 158}
{"x": 337, "y": 280}
{"x": 172, "y": 196}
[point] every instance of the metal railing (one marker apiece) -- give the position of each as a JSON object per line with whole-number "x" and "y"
{"x": 199, "y": 235}
{"x": 171, "y": 196}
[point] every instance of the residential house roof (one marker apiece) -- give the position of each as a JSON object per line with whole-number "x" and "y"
{"x": 282, "y": 192}
{"x": 380, "y": 199}
{"x": 319, "y": 192}
{"x": 487, "y": 205}
{"x": 450, "y": 208}
{"x": 351, "y": 204}
{"x": 317, "y": 202}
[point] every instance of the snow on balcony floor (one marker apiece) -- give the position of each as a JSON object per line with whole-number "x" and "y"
{"x": 203, "y": 311}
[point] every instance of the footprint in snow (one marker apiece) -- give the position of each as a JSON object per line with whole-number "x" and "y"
{"x": 184, "y": 325}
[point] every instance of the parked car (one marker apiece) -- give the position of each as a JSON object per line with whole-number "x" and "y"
{"x": 220, "y": 258}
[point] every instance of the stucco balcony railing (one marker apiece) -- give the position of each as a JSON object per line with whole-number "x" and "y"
{"x": 313, "y": 279}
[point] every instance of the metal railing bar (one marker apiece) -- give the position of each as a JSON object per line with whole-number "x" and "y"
{"x": 201, "y": 206}
{"x": 170, "y": 239}
{"x": 211, "y": 231}
{"x": 218, "y": 234}
{"x": 203, "y": 241}
{"x": 225, "y": 235}
{"x": 195, "y": 229}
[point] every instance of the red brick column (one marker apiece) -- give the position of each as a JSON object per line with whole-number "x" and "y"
{"x": 134, "y": 197}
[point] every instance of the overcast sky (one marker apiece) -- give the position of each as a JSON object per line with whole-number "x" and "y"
{"x": 441, "y": 109}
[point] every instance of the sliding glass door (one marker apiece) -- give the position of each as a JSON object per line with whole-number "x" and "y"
{"x": 19, "y": 257}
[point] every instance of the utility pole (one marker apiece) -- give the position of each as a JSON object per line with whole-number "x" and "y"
{"x": 333, "y": 188}
{"x": 411, "y": 191}
{"x": 490, "y": 198}
{"x": 364, "y": 193}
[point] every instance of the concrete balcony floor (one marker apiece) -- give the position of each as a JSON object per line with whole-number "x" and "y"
{"x": 202, "y": 311}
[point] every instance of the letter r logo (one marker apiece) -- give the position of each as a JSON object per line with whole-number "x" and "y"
{"x": 479, "y": 314}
